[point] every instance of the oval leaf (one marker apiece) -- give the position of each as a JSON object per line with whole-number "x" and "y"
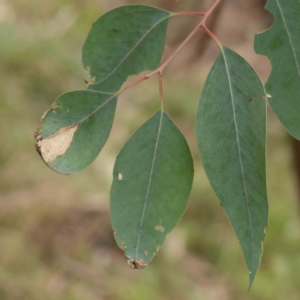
{"x": 75, "y": 129}
{"x": 281, "y": 45}
{"x": 153, "y": 177}
{"x": 231, "y": 135}
{"x": 124, "y": 41}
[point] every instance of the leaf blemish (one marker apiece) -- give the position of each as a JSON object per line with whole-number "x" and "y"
{"x": 120, "y": 176}
{"x": 123, "y": 245}
{"x": 56, "y": 144}
{"x": 43, "y": 116}
{"x": 57, "y": 105}
{"x": 160, "y": 228}
{"x": 92, "y": 80}
{"x": 136, "y": 264}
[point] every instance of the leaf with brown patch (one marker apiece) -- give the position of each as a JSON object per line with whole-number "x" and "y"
{"x": 72, "y": 136}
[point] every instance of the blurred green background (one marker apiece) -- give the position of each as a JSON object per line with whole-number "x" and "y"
{"x": 55, "y": 234}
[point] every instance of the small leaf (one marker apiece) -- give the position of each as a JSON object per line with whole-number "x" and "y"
{"x": 231, "y": 135}
{"x": 281, "y": 44}
{"x": 153, "y": 177}
{"x": 75, "y": 129}
{"x": 125, "y": 41}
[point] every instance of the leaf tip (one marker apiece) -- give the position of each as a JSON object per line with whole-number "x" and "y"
{"x": 251, "y": 280}
{"x": 136, "y": 264}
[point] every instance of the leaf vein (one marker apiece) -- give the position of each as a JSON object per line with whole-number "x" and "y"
{"x": 240, "y": 156}
{"x": 289, "y": 36}
{"x": 149, "y": 184}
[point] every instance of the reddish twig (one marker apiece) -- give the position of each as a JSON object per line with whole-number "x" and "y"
{"x": 212, "y": 35}
{"x": 161, "y": 89}
{"x": 190, "y": 13}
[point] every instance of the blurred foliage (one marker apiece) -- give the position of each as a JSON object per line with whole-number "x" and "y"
{"x": 55, "y": 233}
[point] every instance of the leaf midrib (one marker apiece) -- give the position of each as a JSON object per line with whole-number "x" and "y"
{"x": 289, "y": 36}
{"x": 88, "y": 116}
{"x": 240, "y": 156}
{"x": 149, "y": 184}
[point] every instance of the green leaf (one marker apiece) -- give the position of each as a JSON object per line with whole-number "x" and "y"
{"x": 153, "y": 177}
{"x": 231, "y": 135}
{"x": 125, "y": 41}
{"x": 75, "y": 129}
{"x": 281, "y": 44}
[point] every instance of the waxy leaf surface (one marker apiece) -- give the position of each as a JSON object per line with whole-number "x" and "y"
{"x": 125, "y": 41}
{"x": 231, "y": 135}
{"x": 75, "y": 129}
{"x": 153, "y": 177}
{"x": 281, "y": 44}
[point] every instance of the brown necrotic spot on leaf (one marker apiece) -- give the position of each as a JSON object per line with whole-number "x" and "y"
{"x": 56, "y": 144}
{"x": 136, "y": 264}
{"x": 160, "y": 228}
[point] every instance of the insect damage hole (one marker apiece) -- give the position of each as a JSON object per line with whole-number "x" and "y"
{"x": 120, "y": 176}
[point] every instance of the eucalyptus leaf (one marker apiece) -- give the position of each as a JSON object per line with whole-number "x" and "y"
{"x": 152, "y": 181}
{"x": 231, "y": 135}
{"x": 281, "y": 44}
{"x": 75, "y": 129}
{"x": 125, "y": 41}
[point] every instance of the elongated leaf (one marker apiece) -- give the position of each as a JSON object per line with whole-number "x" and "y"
{"x": 75, "y": 129}
{"x": 153, "y": 177}
{"x": 281, "y": 44}
{"x": 125, "y": 41}
{"x": 231, "y": 135}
